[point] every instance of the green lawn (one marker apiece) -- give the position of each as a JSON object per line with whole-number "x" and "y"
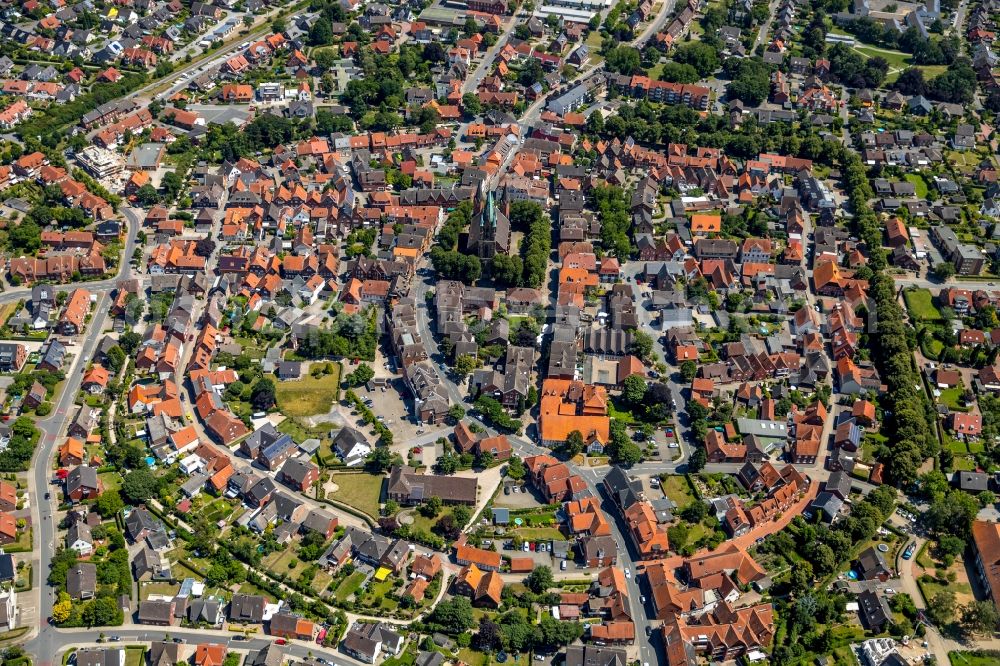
{"x": 931, "y": 588}
{"x": 148, "y": 589}
{"x": 963, "y": 464}
{"x": 218, "y": 510}
{"x": 977, "y": 658}
{"x": 301, "y": 433}
{"x": 250, "y": 588}
{"x": 957, "y": 447}
{"x": 278, "y": 562}
{"x": 110, "y": 480}
{"x": 919, "y": 184}
{"x": 896, "y": 59}
{"x": 920, "y": 304}
{"x": 308, "y": 396}
{"x": 952, "y": 398}
{"x": 617, "y": 410}
{"x": 677, "y": 489}
{"x": 134, "y": 656}
{"x": 540, "y": 533}
{"x": 250, "y": 347}
{"x": 321, "y": 581}
{"x": 362, "y": 491}
{"x": 473, "y": 658}
{"x": 349, "y": 586}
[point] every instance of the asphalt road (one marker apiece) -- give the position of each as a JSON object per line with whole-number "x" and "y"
{"x": 45, "y": 643}
{"x": 46, "y": 640}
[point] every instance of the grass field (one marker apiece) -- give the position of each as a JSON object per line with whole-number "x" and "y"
{"x": 321, "y": 581}
{"x": 308, "y": 396}
{"x": 349, "y": 586}
{"x": 951, "y": 397}
{"x": 677, "y": 489}
{"x": 540, "y": 533}
{"x": 149, "y": 589}
{"x": 977, "y": 658}
{"x": 920, "y": 304}
{"x": 134, "y": 656}
{"x": 301, "y": 433}
{"x": 473, "y": 658}
{"x": 362, "y": 491}
{"x": 919, "y": 184}
{"x": 279, "y": 561}
{"x": 929, "y": 589}
{"x": 896, "y": 59}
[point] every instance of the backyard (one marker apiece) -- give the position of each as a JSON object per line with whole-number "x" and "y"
{"x": 920, "y": 305}
{"x": 677, "y": 489}
{"x": 349, "y": 586}
{"x": 919, "y": 184}
{"x": 362, "y": 491}
{"x": 310, "y": 395}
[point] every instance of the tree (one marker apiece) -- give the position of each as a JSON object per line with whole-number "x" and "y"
{"x": 701, "y": 56}
{"x": 361, "y": 375}
{"x": 464, "y": 364}
{"x": 641, "y": 345}
{"x": 516, "y": 469}
{"x": 507, "y": 269}
{"x": 697, "y": 461}
{"x": 116, "y": 359}
{"x": 62, "y": 609}
{"x": 634, "y": 389}
{"x": 263, "y": 397}
{"x": 944, "y": 270}
{"x": 321, "y": 33}
{"x": 540, "y": 579}
{"x": 462, "y": 514}
{"x": 489, "y": 638}
{"x": 147, "y": 195}
{"x": 676, "y": 72}
{"x": 204, "y": 247}
{"x": 172, "y": 184}
{"x": 471, "y": 104}
{"x": 278, "y": 25}
{"x": 751, "y": 80}
{"x": 379, "y": 460}
{"x": 695, "y": 512}
{"x": 911, "y": 82}
{"x": 129, "y": 341}
{"x": 623, "y": 60}
{"x": 941, "y": 607}
{"x": 110, "y": 503}
{"x": 626, "y": 454}
{"x": 979, "y": 617}
{"x": 688, "y": 370}
{"x": 432, "y": 506}
{"x": 453, "y": 616}
{"x": 574, "y": 444}
{"x": 139, "y": 486}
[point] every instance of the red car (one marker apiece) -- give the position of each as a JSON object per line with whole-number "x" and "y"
{"x": 280, "y": 641}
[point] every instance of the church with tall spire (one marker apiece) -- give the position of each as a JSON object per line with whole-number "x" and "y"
{"x": 489, "y": 232}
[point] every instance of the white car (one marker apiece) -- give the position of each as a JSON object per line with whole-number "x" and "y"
{"x": 628, "y": 573}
